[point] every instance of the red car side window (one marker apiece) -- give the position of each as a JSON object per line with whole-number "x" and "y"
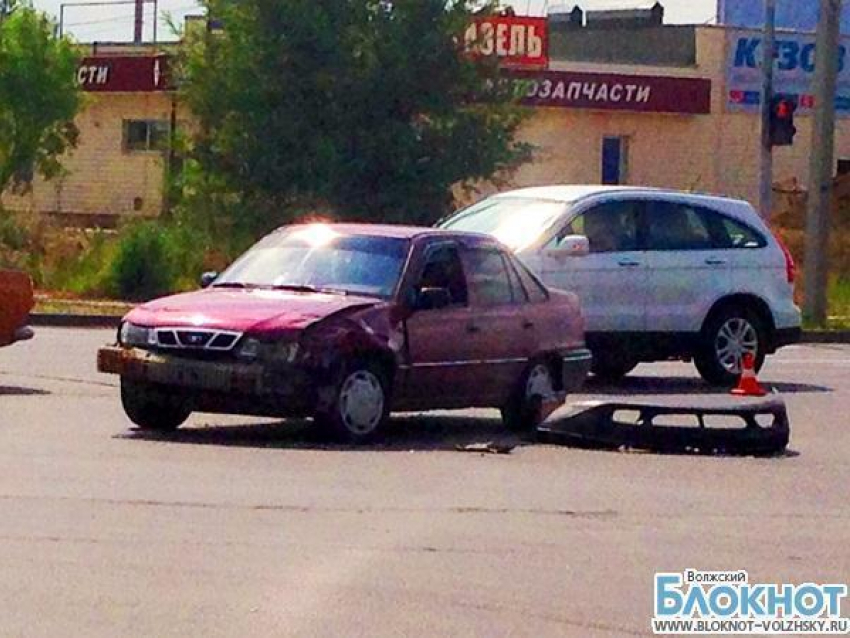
{"x": 536, "y": 292}
{"x": 443, "y": 269}
{"x": 488, "y": 277}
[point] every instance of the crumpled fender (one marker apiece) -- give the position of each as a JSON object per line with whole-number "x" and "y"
{"x": 375, "y": 332}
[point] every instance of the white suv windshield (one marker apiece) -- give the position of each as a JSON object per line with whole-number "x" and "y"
{"x": 515, "y": 221}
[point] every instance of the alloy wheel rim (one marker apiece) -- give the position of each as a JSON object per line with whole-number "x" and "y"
{"x": 735, "y": 338}
{"x": 361, "y": 402}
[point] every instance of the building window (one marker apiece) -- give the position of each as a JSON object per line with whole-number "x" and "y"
{"x": 843, "y": 166}
{"x": 615, "y": 164}
{"x": 146, "y": 135}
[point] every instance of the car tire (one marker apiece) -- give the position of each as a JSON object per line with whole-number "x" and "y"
{"x": 725, "y": 337}
{"x": 152, "y": 408}
{"x": 611, "y": 366}
{"x": 360, "y": 407}
{"x": 522, "y": 411}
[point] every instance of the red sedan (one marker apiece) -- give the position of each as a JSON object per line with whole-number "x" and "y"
{"x": 345, "y": 323}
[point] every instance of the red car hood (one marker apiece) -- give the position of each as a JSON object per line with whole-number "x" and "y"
{"x": 244, "y": 310}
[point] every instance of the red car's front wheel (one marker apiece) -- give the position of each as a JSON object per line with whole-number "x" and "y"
{"x": 360, "y": 405}
{"x": 152, "y": 408}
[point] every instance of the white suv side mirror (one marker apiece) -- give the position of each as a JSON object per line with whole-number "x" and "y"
{"x": 570, "y": 246}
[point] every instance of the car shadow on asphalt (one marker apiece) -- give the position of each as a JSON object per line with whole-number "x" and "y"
{"x": 633, "y": 385}
{"x": 7, "y": 390}
{"x": 415, "y": 433}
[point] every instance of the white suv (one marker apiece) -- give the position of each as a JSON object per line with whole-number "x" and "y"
{"x": 666, "y": 274}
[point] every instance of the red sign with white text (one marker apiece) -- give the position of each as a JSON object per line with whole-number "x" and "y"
{"x": 518, "y": 42}
{"x": 129, "y": 73}
{"x": 614, "y": 92}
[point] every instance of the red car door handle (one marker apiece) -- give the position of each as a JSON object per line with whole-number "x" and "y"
{"x": 527, "y": 324}
{"x": 472, "y": 328}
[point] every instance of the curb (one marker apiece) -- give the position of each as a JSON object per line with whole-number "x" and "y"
{"x": 43, "y": 320}
{"x": 826, "y": 336}
{"x": 112, "y": 321}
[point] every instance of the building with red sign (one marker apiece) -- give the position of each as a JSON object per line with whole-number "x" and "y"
{"x": 617, "y": 97}
{"x": 627, "y": 99}
{"x": 118, "y": 168}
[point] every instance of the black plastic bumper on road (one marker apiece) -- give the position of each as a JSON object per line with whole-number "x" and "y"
{"x": 763, "y": 428}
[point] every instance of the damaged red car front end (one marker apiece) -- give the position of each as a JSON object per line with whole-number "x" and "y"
{"x": 347, "y": 323}
{"x": 237, "y": 351}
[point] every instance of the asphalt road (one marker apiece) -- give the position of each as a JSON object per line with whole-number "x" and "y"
{"x": 236, "y": 526}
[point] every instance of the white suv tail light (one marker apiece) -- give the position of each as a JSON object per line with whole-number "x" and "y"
{"x": 790, "y": 266}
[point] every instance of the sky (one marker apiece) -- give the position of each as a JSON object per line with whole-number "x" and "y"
{"x": 115, "y": 23}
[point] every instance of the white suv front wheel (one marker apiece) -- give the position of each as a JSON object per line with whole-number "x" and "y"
{"x": 726, "y": 338}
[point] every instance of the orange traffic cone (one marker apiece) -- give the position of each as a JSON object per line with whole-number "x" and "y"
{"x": 749, "y": 385}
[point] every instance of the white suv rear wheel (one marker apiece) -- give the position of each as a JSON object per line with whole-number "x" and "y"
{"x": 728, "y": 335}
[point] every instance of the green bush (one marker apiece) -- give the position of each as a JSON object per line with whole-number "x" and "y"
{"x": 12, "y": 234}
{"x": 88, "y": 273}
{"x": 142, "y": 266}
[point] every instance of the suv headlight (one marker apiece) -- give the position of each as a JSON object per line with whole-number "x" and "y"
{"x": 136, "y": 336}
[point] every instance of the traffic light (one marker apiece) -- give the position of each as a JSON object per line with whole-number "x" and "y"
{"x": 782, "y": 129}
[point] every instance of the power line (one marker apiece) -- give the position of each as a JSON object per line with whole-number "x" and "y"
{"x": 100, "y": 21}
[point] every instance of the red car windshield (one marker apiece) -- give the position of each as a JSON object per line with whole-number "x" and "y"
{"x": 317, "y": 258}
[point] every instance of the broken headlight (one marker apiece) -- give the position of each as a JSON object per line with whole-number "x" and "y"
{"x": 280, "y": 352}
{"x": 249, "y": 350}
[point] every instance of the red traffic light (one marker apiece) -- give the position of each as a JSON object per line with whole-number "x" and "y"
{"x": 781, "y": 113}
{"x": 784, "y": 109}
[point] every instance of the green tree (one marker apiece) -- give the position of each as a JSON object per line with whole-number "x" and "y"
{"x": 372, "y": 108}
{"x": 38, "y": 96}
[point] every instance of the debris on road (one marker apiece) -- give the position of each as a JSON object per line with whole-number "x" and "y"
{"x": 491, "y": 447}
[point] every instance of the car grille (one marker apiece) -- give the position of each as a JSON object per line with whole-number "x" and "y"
{"x": 196, "y": 339}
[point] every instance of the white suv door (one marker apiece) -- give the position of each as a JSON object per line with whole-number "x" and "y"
{"x": 686, "y": 272}
{"x": 611, "y": 281}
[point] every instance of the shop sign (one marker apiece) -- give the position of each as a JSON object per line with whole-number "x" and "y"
{"x": 793, "y": 74}
{"x": 517, "y": 41}
{"x": 124, "y": 74}
{"x": 612, "y": 92}
{"x": 795, "y": 15}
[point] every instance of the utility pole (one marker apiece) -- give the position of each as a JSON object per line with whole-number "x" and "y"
{"x": 766, "y": 166}
{"x": 139, "y": 21}
{"x": 821, "y": 170}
